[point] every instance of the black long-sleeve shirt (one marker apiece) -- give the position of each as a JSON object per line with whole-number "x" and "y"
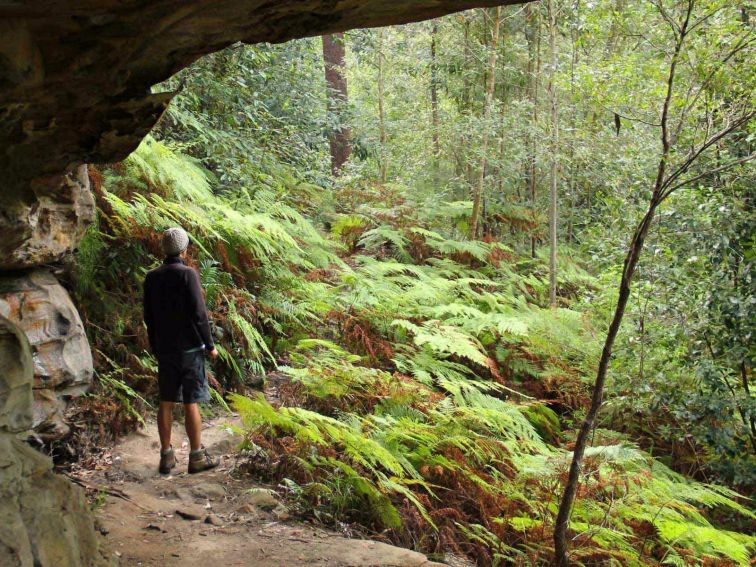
{"x": 174, "y": 309}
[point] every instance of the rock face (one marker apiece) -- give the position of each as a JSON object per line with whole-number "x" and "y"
{"x": 15, "y": 379}
{"x": 62, "y": 362}
{"x": 51, "y": 224}
{"x": 45, "y": 518}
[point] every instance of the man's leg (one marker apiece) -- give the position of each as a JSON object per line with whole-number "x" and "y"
{"x": 193, "y": 423}
{"x": 194, "y": 390}
{"x": 165, "y": 422}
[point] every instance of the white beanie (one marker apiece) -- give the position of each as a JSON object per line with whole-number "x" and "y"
{"x": 175, "y": 241}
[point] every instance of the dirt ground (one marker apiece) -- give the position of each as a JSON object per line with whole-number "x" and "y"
{"x": 211, "y": 519}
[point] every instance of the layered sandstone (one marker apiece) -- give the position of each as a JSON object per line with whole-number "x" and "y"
{"x": 62, "y": 362}
{"x": 45, "y": 518}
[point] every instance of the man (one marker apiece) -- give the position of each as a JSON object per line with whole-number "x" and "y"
{"x": 179, "y": 334}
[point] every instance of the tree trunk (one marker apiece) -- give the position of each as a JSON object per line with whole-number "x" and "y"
{"x": 612, "y": 39}
{"x": 466, "y": 103}
{"x": 468, "y": 63}
{"x": 434, "y": 94}
{"x": 381, "y": 109}
{"x": 554, "y": 151}
{"x": 575, "y": 36}
{"x": 334, "y": 59}
{"x": 486, "y": 120}
{"x": 534, "y": 70}
{"x": 570, "y": 489}
{"x": 631, "y": 261}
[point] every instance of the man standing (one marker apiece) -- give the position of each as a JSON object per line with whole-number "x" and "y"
{"x": 179, "y": 334}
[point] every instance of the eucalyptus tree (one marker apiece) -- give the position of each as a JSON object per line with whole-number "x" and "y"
{"x": 334, "y": 62}
{"x": 554, "y": 151}
{"x": 700, "y": 45}
{"x": 495, "y": 19}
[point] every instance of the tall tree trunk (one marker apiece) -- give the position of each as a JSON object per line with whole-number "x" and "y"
{"x": 466, "y": 103}
{"x": 487, "y": 109}
{"x": 383, "y": 138}
{"x": 534, "y": 70}
{"x": 575, "y": 36}
{"x": 554, "y": 151}
{"x": 334, "y": 59}
{"x": 612, "y": 39}
{"x": 631, "y": 261}
{"x": 468, "y": 63}
{"x": 434, "y": 94}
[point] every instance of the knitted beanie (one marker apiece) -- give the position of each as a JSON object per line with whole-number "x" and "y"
{"x": 175, "y": 241}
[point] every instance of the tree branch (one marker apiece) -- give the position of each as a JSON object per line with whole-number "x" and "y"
{"x": 694, "y": 154}
{"x": 739, "y": 46}
{"x": 631, "y": 261}
{"x": 674, "y": 188}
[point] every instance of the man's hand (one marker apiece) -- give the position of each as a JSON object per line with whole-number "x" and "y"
{"x": 213, "y": 353}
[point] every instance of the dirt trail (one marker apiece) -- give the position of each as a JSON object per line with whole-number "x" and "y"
{"x": 212, "y": 519}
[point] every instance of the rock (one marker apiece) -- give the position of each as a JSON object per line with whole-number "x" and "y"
{"x": 281, "y": 513}
{"x": 48, "y": 410}
{"x": 138, "y": 471}
{"x": 259, "y": 498}
{"x": 189, "y": 514}
{"x": 367, "y": 552}
{"x": 62, "y": 360}
{"x": 209, "y": 490}
{"x": 213, "y": 520}
{"x": 176, "y": 493}
{"x": 226, "y": 445}
{"x": 15, "y": 379}
{"x": 247, "y": 510}
{"x": 48, "y": 225}
{"x": 45, "y": 519}
{"x": 453, "y": 560}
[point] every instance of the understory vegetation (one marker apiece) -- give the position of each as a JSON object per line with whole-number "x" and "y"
{"x": 429, "y": 379}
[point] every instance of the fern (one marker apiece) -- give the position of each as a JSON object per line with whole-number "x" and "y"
{"x": 438, "y": 435}
{"x": 384, "y": 235}
{"x": 255, "y": 343}
{"x": 445, "y": 340}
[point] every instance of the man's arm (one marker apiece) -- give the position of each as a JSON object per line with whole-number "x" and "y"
{"x": 198, "y": 310}
{"x": 148, "y": 317}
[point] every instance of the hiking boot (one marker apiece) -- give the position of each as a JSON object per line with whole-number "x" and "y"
{"x": 201, "y": 460}
{"x": 167, "y": 461}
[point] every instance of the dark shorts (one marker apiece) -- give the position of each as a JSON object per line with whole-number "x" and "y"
{"x": 181, "y": 377}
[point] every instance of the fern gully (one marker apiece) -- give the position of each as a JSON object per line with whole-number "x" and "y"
{"x": 423, "y": 381}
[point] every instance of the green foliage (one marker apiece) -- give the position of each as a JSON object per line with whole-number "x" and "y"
{"x": 375, "y": 442}
{"x": 425, "y": 389}
{"x": 445, "y": 340}
{"x": 387, "y": 455}
{"x": 349, "y": 229}
{"x": 376, "y": 238}
{"x": 112, "y": 383}
{"x": 385, "y": 471}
